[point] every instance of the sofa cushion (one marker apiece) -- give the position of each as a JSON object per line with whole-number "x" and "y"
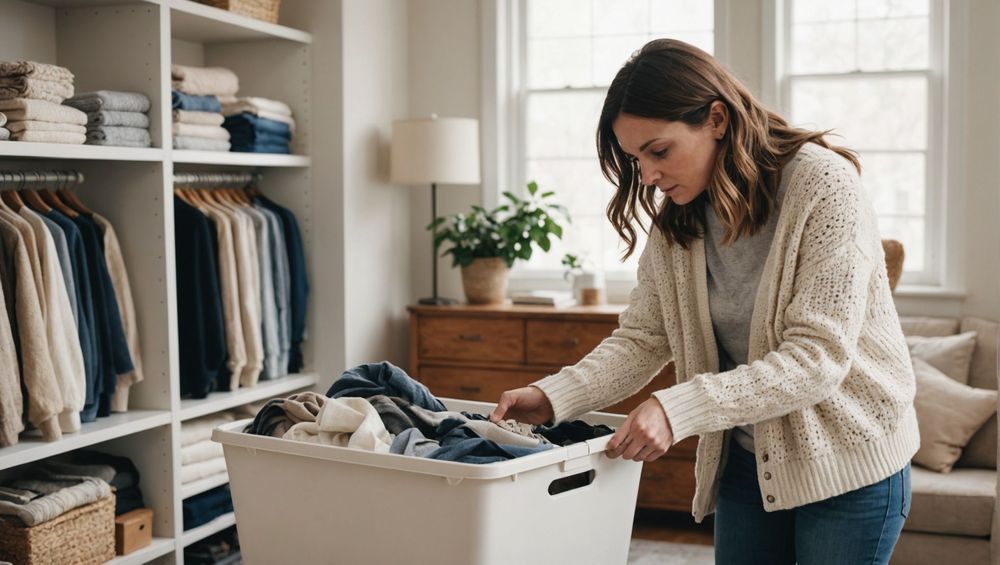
{"x": 950, "y": 354}
{"x": 981, "y": 450}
{"x": 960, "y": 502}
{"x": 928, "y": 326}
{"x": 948, "y": 414}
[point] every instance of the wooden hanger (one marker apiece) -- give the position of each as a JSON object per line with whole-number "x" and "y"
{"x": 35, "y": 202}
{"x": 71, "y": 199}
{"x": 51, "y": 199}
{"x": 12, "y": 200}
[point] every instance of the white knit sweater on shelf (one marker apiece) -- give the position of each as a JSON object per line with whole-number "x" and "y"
{"x": 828, "y": 384}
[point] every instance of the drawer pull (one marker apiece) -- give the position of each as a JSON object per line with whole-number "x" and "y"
{"x": 469, "y": 389}
{"x": 470, "y": 337}
{"x": 572, "y": 342}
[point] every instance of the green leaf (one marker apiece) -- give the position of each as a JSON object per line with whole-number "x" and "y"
{"x": 557, "y": 230}
{"x": 545, "y": 244}
{"x": 547, "y": 194}
{"x": 511, "y": 196}
{"x": 532, "y": 188}
{"x": 436, "y": 223}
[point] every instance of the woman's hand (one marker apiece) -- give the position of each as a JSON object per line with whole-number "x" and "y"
{"x": 645, "y": 436}
{"x": 528, "y": 404}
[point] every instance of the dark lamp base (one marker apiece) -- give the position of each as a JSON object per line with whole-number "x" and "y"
{"x": 439, "y": 301}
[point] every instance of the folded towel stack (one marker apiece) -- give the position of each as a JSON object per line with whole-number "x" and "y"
{"x": 37, "y": 81}
{"x": 259, "y": 125}
{"x": 30, "y": 97}
{"x": 115, "y": 118}
{"x": 202, "y": 458}
{"x": 197, "y": 110}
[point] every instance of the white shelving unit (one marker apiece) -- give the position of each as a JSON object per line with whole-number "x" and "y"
{"x": 130, "y": 45}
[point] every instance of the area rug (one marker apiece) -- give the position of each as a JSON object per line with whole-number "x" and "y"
{"x": 648, "y": 552}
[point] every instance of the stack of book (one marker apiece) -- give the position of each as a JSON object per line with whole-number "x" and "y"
{"x": 557, "y": 298}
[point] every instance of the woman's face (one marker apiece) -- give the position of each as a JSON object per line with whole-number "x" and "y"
{"x": 675, "y": 157}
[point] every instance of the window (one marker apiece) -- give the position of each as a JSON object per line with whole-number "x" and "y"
{"x": 867, "y": 70}
{"x": 570, "y": 52}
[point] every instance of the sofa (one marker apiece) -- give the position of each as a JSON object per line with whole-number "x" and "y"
{"x": 954, "y": 517}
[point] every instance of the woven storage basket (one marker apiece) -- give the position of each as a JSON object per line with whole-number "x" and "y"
{"x": 266, "y": 10}
{"x": 81, "y": 536}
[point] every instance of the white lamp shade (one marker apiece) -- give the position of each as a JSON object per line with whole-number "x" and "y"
{"x": 435, "y": 150}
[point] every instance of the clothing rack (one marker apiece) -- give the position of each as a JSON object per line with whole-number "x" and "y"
{"x": 25, "y": 179}
{"x": 216, "y": 179}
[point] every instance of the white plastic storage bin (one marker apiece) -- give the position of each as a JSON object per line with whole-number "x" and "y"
{"x": 297, "y": 502}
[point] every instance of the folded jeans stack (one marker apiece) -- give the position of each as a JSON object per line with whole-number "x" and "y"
{"x": 196, "y": 93}
{"x": 207, "y": 506}
{"x": 115, "y": 118}
{"x": 30, "y": 97}
{"x": 254, "y": 134}
{"x": 263, "y": 135}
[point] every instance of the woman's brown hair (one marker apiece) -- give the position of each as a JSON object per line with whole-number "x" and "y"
{"x": 672, "y": 80}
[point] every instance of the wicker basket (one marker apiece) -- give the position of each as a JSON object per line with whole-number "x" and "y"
{"x": 266, "y": 10}
{"x": 81, "y": 536}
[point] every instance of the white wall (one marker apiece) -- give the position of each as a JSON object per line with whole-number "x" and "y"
{"x": 443, "y": 79}
{"x": 444, "y": 35}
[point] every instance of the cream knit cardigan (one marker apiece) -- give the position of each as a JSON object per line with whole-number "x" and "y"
{"x": 828, "y": 384}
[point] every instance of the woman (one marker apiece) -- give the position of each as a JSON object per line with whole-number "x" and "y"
{"x": 763, "y": 279}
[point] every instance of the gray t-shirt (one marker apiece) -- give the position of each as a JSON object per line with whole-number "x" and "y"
{"x": 734, "y": 272}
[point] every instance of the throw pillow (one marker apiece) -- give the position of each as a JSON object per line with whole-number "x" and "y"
{"x": 950, "y": 354}
{"x": 948, "y": 414}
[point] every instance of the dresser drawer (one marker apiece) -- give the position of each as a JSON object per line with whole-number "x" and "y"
{"x": 667, "y": 484}
{"x": 563, "y": 343}
{"x": 485, "y": 385}
{"x": 473, "y": 339}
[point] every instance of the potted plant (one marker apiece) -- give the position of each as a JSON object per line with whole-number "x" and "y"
{"x": 485, "y": 244}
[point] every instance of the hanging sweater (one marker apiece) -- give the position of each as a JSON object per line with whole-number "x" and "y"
{"x": 828, "y": 384}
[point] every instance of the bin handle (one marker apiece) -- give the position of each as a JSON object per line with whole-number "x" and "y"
{"x": 578, "y": 458}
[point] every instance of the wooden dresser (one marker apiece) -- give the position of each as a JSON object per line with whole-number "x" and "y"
{"x": 477, "y": 352}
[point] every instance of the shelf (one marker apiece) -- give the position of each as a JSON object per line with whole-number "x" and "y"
{"x": 159, "y": 547}
{"x": 191, "y": 21}
{"x": 23, "y": 149}
{"x": 198, "y": 487}
{"x": 201, "y": 532}
{"x": 218, "y": 401}
{"x": 32, "y": 448}
{"x": 240, "y": 159}
{"x": 89, "y": 3}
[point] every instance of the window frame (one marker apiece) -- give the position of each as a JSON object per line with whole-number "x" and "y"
{"x": 939, "y": 233}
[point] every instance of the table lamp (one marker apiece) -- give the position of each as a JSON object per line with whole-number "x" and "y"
{"x": 437, "y": 151}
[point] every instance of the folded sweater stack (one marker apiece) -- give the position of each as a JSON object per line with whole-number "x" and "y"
{"x": 45, "y": 493}
{"x": 259, "y": 125}
{"x": 115, "y": 118}
{"x": 197, "y": 110}
{"x": 4, "y": 132}
{"x": 202, "y": 458}
{"x": 31, "y": 95}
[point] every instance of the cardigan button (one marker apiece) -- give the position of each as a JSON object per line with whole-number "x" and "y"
{"x": 767, "y": 475}
{"x": 770, "y": 498}
{"x": 764, "y": 458}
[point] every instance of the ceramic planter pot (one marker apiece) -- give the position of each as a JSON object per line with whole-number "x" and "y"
{"x": 485, "y": 281}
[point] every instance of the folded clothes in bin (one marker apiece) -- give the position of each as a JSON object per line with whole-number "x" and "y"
{"x": 400, "y": 415}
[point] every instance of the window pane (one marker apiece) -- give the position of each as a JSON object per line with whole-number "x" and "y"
{"x": 557, "y": 63}
{"x": 563, "y": 124}
{"x": 558, "y": 18}
{"x": 893, "y": 44}
{"x": 617, "y": 17}
{"x": 824, "y": 48}
{"x": 667, "y": 16}
{"x": 909, "y": 231}
{"x": 578, "y": 183}
{"x": 893, "y": 8}
{"x": 822, "y": 11}
{"x": 869, "y": 112}
{"x": 610, "y": 53}
{"x": 895, "y": 181}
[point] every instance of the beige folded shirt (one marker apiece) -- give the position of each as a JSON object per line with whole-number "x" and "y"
{"x": 35, "y": 88}
{"x": 200, "y": 118}
{"x": 203, "y": 131}
{"x": 34, "y": 125}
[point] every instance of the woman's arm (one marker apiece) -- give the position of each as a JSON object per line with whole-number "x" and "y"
{"x": 624, "y": 362}
{"x": 822, "y": 322}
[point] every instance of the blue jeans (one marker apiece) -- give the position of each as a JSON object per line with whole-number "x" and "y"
{"x": 856, "y": 527}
